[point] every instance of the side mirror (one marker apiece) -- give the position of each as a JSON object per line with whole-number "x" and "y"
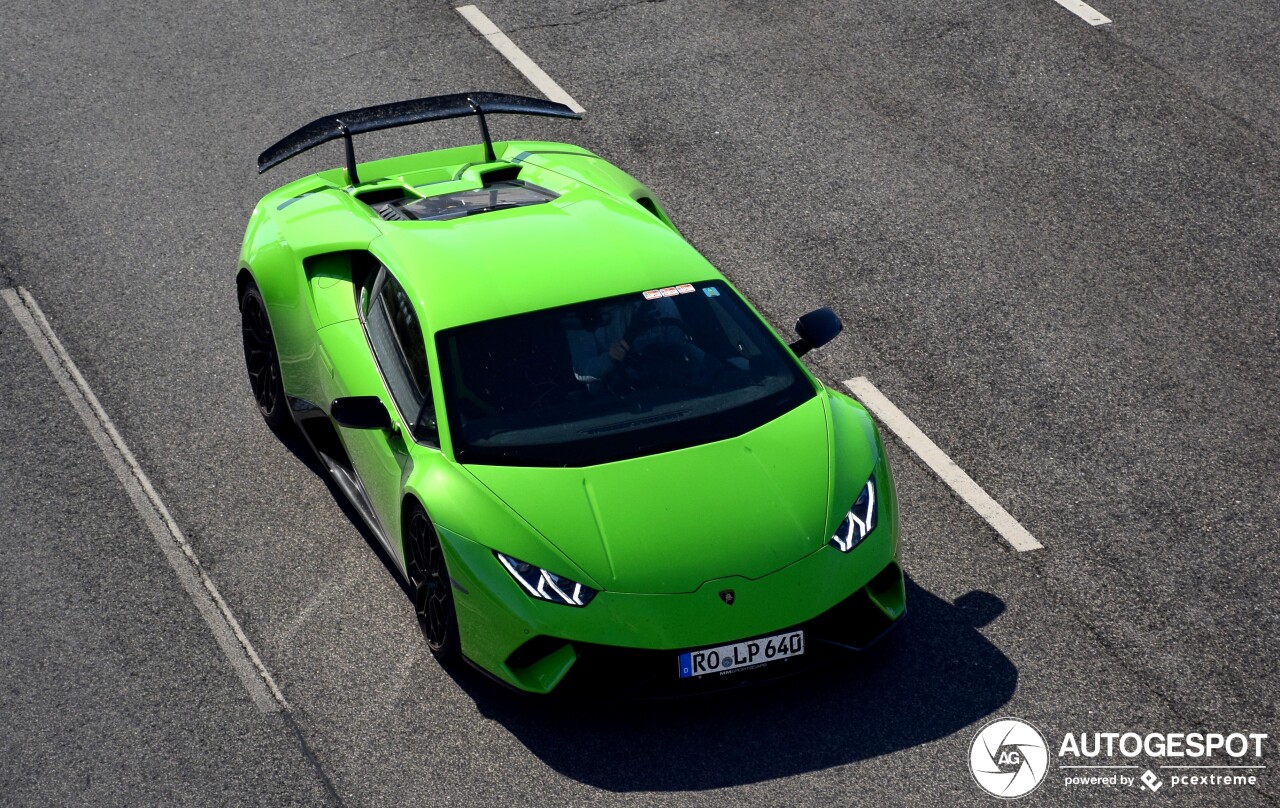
{"x": 816, "y": 329}
{"x": 360, "y": 412}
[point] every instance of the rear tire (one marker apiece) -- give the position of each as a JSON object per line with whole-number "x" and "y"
{"x": 261, "y": 359}
{"x": 432, "y": 589}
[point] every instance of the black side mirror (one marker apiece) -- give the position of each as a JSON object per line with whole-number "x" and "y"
{"x": 816, "y": 329}
{"x": 360, "y": 412}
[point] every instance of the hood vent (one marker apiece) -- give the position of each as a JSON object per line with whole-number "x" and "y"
{"x": 391, "y": 213}
{"x": 497, "y": 175}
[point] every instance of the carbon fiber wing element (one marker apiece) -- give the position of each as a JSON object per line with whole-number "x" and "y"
{"x": 403, "y": 113}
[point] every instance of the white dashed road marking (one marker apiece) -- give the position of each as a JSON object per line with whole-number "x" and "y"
{"x": 177, "y": 550}
{"x": 1084, "y": 11}
{"x": 545, "y": 84}
{"x": 889, "y": 415}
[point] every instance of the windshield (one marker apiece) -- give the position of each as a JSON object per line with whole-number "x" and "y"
{"x": 610, "y": 379}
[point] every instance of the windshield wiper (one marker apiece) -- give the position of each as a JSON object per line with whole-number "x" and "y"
{"x": 653, "y": 419}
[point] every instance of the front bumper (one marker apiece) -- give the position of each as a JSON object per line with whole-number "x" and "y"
{"x": 842, "y": 600}
{"x": 603, "y": 672}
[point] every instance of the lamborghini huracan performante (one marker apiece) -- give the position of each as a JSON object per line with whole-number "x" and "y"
{"x": 595, "y": 464}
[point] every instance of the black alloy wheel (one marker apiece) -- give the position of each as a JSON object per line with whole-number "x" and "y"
{"x": 261, "y": 360}
{"x": 432, "y": 591}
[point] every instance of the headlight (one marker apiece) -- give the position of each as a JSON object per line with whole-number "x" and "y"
{"x": 859, "y": 521}
{"x": 545, "y": 585}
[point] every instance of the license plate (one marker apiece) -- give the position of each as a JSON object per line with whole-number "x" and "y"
{"x": 738, "y": 655}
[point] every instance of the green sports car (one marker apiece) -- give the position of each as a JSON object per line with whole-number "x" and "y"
{"x": 595, "y": 464}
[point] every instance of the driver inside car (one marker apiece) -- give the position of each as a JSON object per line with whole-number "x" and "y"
{"x": 601, "y": 343}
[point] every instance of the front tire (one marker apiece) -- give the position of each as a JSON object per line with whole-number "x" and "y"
{"x": 432, "y": 590}
{"x": 261, "y": 359}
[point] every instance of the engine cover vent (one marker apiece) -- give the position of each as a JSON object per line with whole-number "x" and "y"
{"x": 391, "y": 213}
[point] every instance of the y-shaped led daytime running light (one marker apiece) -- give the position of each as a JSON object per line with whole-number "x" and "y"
{"x": 859, "y": 521}
{"x": 545, "y": 585}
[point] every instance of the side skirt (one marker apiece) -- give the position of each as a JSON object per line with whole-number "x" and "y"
{"x": 323, "y": 438}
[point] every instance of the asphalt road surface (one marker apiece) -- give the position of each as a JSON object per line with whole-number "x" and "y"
{"x": 1053, "y": 246}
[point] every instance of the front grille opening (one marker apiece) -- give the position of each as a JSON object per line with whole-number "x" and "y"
{"x": 888, "y": 590}
{"x": 541, "y": 663}
{"x": 533, "y": 651}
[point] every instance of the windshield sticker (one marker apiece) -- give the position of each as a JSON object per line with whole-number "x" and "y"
{"x": 669, "y": 291}
{"x": 711, "y": 291}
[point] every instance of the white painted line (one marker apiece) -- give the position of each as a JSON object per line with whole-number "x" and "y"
{"x": 313, "y": 603}
{"x": 179, "y": 553}
{"x": 545, "y": 84}
{"x": 951, "y": 474}
{"x": 1084, "y": 11}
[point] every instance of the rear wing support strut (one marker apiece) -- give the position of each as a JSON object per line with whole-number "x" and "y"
{"x": 484, "y": 132}
{"x": 350, "y": 149}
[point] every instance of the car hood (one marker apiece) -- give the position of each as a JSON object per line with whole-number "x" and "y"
{"x": 667, "y": 523}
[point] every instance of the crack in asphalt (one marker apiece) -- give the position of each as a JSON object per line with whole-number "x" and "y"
{"x": 8, "y": 280}
{"x": 307, "y": 752}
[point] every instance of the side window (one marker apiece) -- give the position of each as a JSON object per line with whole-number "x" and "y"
{"x": 401, "y": 353}
{"x": 367, "y": 280}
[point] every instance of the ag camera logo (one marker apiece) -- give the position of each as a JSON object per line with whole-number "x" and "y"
{"x": 1008, "y": 758}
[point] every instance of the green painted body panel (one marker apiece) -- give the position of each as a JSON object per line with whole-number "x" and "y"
{"x": 746, "y": 506}
{"x": 658, "y": 536}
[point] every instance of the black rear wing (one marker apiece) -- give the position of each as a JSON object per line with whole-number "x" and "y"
{"x": 402, "y": 113}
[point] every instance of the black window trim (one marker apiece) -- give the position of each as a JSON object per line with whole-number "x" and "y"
{"x": 375, "y": 292}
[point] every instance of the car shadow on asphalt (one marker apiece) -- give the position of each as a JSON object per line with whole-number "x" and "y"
{"x": 933, "y": 676}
